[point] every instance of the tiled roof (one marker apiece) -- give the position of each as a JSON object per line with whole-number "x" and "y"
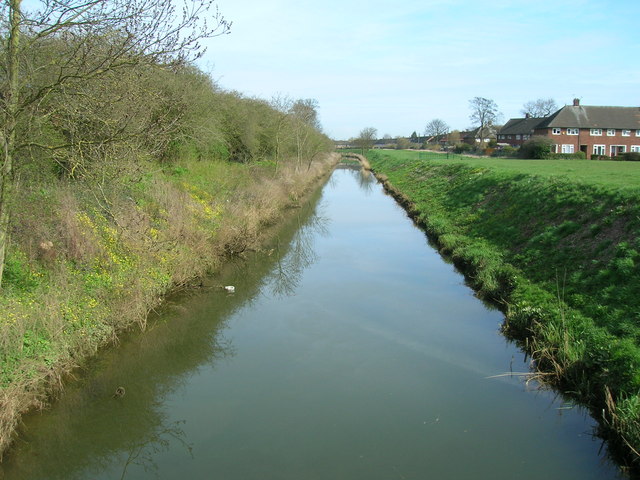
{"x": 520, "y": 126}
{"x": 578, "y": 116}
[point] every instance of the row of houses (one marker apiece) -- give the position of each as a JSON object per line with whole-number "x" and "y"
{"x": 593, "y": 130}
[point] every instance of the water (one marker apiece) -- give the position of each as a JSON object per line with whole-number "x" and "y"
{"x": 350, "y": 350}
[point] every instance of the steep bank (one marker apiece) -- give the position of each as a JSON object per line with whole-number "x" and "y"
{"x": 560, "y": 257}
{"x": 94, "y": 258}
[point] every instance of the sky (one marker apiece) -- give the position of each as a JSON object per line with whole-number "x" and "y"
{"x": 395, "y": 66}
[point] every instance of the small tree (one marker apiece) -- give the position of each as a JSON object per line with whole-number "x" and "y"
{"x": 542, "y": 107}
{"x": 366, "y": 139}
{"x": 484, "y": 114}
{"x": 436, "y": 128}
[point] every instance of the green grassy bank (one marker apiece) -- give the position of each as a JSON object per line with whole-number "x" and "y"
{"x": 89, "y": 260}
{"x": 560, "y": 252}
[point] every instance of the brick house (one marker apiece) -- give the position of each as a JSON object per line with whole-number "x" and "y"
{"x": 518, "y": 130}
{"x": 575, "y": 128}
{"x": 593, "y": 130}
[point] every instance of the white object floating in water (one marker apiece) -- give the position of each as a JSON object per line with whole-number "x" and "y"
{"x": 230, "y": 288}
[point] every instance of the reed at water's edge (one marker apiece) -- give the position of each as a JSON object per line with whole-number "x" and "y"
{"x": 562, "y": 260}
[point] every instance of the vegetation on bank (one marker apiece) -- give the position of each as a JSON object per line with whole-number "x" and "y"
{"x": 559, "y": 252}
{"x": 123, "y": 188}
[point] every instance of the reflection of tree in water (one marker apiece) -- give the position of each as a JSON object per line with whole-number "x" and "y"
{"x": 365, "y": 178}
{"x": 291, "y": 263}
{"x": 143, "y": 453}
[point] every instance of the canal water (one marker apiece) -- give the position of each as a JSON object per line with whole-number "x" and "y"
{"x": 349, "y": 350}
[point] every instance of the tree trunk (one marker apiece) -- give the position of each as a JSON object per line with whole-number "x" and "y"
{"x": 9, "y": 131}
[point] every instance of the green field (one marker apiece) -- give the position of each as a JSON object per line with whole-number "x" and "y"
{"x": 607, "y": 173}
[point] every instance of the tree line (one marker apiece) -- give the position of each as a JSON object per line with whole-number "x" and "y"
{"x": 484, "y": 118}
{"x": 90, "y": 87}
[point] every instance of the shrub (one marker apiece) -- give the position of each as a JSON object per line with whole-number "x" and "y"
{"x": 536, "y": 148}
{"x": 631, "y": 156}
{"x": 568, "y": 156}
{"x": 507, "y": 151}
{"x": 462, "y": 148}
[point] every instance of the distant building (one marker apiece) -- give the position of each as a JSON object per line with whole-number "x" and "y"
{"x": 593, "y": 130}
{"x": 518, "y": 130}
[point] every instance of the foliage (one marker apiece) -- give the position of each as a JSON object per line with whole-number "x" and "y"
{"x": 536, "y": 148}
{"x": 631, "y": 156}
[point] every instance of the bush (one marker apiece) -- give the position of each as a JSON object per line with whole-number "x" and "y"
{"x": 536, "y": 148}
{"x": 462, "y": 148}
{"x": 507, "y": 151}
{"x": 631, "y": 156}
{"x": 600, "y": 157}
{"x": 569, "y": 156}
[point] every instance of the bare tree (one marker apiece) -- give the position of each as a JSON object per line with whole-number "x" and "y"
{"x": 436, "y": 128}
{"x": 305, "y": 116}
{"x": 484, "y": 114}
{"x": 366, "y": 138}
{"x": 67, "y": 44}
{"x": 542, "y": 107}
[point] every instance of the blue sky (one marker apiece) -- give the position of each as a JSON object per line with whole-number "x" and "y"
{"x": 397, "y": 65}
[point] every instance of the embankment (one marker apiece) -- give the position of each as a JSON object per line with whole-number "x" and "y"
{"x": 561, "y": 258}
{"x": 92, "y": 259}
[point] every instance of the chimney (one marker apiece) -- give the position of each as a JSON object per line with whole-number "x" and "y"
{"x": 576, "y": 102}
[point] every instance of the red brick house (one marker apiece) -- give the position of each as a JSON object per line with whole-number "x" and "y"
{"x": 518, "y": 130}
{"x": 575, "y": 128}
{"x": 593, "y": 130}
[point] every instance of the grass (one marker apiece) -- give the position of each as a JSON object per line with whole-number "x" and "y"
{"x": 623, "y": 175}
{"x": 559, "y": 253}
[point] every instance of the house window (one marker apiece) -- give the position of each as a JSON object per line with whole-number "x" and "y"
{"x": 567, "y": 148}
{"x": 525, "y": 137}
{"x": 556, "y": 131}
{"x": 595, "y": 131}
{"x": 617, "y": 149}
{"x": 572, "y": 131}
{"x": 637, "y": 133}
{"x": 635, "y": 148}
{"x": 554, "y": 148}
{"x": 611, "y": 132}
{"x": 509, "y": 137}
{"x": 518, "y": 137}
{"x": 599, "y": 150}
{"x": 626, "y": 133}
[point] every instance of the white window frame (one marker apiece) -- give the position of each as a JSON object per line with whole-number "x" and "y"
{"x": 637, "y": 133}
{"x": 599, "y": 149}
{"x": 556, "y": 131}
{"x": 611, "y": 132}
{"x": 554, "y": 148}
{"x": 611, "y": 150}
{"x": 568, "y": 148}
{"x": 573, "y": 131}
{"x": 596, "y": 132}
{"x": 626, "y": 133}
{"x": 635, "y": 148}
{"x": 518, "y": 137}
{"x": 526, "y": 137}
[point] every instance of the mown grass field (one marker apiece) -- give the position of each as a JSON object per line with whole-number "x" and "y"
{"x": 606, "y": 173}
{"x": 557, "y": 244}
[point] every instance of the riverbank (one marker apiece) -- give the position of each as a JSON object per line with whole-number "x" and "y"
{"x": 560, "y": 257}
{"x": 97, "y": 260}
